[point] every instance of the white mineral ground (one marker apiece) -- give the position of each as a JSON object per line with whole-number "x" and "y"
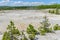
{"x": 22, "y": 18}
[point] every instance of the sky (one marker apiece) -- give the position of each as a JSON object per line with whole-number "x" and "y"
{"x": 27, "y": 2}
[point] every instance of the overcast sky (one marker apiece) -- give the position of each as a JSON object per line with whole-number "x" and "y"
{"x": 26, "y": 2}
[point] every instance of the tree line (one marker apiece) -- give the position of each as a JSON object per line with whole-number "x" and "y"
{"x": 30, "y": 7}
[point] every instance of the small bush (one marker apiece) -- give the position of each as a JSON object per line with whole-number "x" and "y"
{"x": 56, "y": 27}
{"x": 54, "y": 11}
{"x": 32, "y": 36}
{"x": 51, "y": 11}
{"x": 50, "y": 29}
{"x": 24, "y": 38}
{"x": 31, "y": 30}
{"x": 42, "y": 32}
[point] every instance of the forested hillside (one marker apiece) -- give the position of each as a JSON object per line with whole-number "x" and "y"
{"x": 30, "y": 7}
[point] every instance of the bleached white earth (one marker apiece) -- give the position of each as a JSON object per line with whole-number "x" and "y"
{"x": 22, "y": 18}
{"x": 50, "y": 36}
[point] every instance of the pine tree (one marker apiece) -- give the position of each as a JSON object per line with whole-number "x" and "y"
{"x": 56, "y": 27}
{"x": 11, "y": 33}
{"x": 31, "y": 30}
{"x": 57, "y": 9}
{"x": 45, "y": 26}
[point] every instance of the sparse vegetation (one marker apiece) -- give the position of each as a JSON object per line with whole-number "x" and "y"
{"x": 31, "y": 30}
{"x": 55, "y": 11}
{"x": 51, "y": 11}
{"x": 56, "y": 27}
{"x": 11, "y": 33}
{"x": 24, "y": 37}
{"x": 45, "y": 27}
{"x": 32, "y": 36}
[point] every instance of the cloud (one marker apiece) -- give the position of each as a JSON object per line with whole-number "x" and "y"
{"x": 52, "y": 3}
{"x": 22, "y": 3}
{"x": 19, "y": 3}
{"x": 4, "y": 2}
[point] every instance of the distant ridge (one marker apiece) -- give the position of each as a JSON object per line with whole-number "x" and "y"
{"x": 30, "y": 7}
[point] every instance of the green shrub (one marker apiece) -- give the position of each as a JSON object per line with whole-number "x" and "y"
{"x": 32, "y": 36}
{"x": 6, "y": 36}
{"x": 31, "y": 30}
{"x": 54, "y": 11}
{"x": 50, "y": 29}
{"x": 24, "y": 38}
{"x": 44, "y": 28}
{"x": 57, "y": 11}
{"x": 56, "y": 27}
{"x": 42, "y": 32}
{"x": 51, "y": 11}
{"x": 11, "y": 33}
